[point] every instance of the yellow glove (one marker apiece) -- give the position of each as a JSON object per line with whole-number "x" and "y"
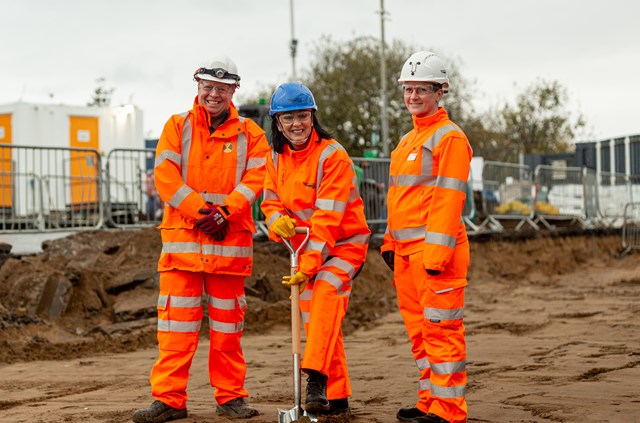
{"x": 299, "y": 279}
{"x": 283, "y": 227}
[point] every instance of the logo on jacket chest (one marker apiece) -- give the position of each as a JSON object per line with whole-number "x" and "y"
{"x": 227, "y": 147}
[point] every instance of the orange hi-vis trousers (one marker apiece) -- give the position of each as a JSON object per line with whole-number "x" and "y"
{"x": 433, "y": 319}
{"x": 323, "y": 305}
{"x": 179, "y": 318}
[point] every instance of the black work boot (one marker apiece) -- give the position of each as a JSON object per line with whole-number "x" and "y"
{"x": 316, "y": 401}
{"x": 158, "y": 412}
{"x": 338, "y": 406}
{"x": 430, "y": 418}
{"x": 236, "y": 408}
{"x": 409, "y": 414}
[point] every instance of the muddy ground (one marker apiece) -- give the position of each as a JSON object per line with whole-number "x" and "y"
{"x": 552, "y": 332}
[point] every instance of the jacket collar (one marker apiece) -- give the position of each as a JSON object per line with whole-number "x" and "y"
{"x": 425, "y": 122}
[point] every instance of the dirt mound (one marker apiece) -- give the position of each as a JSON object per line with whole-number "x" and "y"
{"x": 95, "y": 292}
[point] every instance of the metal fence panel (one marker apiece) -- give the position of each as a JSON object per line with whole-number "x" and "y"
{"x": 631, "y": 228}
{"x": 614, "y": 192}
{"x": 373, "y": 186}
{"x": 61, "y": 185}
{"x": 562, "y": 192}
{"x": 507, "y": 195}
{"x": 131, "y": 199}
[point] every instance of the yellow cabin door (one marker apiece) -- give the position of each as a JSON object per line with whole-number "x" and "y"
{"x": 83, "y": 133}
{"x": 6, "y": 178}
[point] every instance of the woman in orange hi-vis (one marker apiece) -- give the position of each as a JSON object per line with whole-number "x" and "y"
{"x": 426, "y": 242}
{"x": 311, "y": 182}
{"x": 209, "y": 170}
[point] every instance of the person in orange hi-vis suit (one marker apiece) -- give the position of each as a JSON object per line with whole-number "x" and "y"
{"x": 426, "y": 243}
{"x": 209, "y": 170}
{"x": 311, "y": 182}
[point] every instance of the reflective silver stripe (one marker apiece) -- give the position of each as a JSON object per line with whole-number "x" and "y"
{"x": 225, "y": 327}
{"x": 180, "y": 247}
{"x": 223, "y": 303}
{"x": 303, "y": 214}
{"x": 413, "y": 180}
{"x": 180, "y": 195}
{"x": 256, "y": 162}
{"x": 227, "y": 250}
{"x": 274, "y": 158}
{"x": 443, "y": 313}
{"x": 267, "y": 194}
{"x": 316, "y": 246}
{"x": 434, "y": 139}
{"x": 185, "y": 302}
{"x": 448, "y": 391}
{"x": 162, "y": 300}
{"x": 408, "y": 233}
{"x": 354, "y": 194}
{"x": 241, "y": 153}
{"x": 424, "y": 385}
{"x": 332, "y": 205}
{"x": 242, "y": 301}
{"x": 422, "y": 363}
{"x": 167, "y": 155}
{"x": 440, "y": 239}
{"x": 307, "y": 294}
{"x": 186, "y": 144}
{"x": 342, "y": 265}
{"x": 273, "y": 218}
{"x": 449, "y": 367}
{"x": 305, "y": 316}
{"x": 362, "y": 239}
{"x": 452, "y": 183}
{"x": 178, "y": 326}
{"x": 246, "y": 192}
{"x": 329, "y": 150}
{"x": 331, "y": 278}
{"x": 212, "y": 198}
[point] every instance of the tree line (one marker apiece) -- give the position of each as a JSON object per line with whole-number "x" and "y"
{"x": 345, "y": 80}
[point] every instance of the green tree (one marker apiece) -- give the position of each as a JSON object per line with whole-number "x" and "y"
{"x": 101, "y": 96}
{"x": 345, "y": 80}
{"x": 540, "y": 121}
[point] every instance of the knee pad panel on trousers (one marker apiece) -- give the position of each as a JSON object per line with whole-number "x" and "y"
{"x": 226, "y": 324}
{"x": 179, "y": 323}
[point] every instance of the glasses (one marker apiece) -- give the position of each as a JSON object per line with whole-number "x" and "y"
{"x": 419, "y": 89}
{"x": 220, "y": 89}
{"x": 289, "y": 118}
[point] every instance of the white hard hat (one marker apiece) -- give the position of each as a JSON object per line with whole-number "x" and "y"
{"x": 425, "y": 66}
{"x": 221, "y": 69}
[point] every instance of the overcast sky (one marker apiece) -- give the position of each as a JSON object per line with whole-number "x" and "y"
{"x": 53, "y": 51}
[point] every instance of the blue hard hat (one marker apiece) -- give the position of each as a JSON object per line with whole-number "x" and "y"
{"x": 291, "y": 96}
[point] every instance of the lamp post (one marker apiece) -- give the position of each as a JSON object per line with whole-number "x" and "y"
{"x": 384, "y": 124}
{"x": 293, "y": 45}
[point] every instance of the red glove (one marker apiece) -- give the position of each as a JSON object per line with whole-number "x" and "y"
{"x": 214, "y": 223}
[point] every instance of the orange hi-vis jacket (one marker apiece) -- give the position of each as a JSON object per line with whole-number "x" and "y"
{"x": 427, "y": 190}
{"x": 317, "y": 186}
{"x": 194, "y": 167}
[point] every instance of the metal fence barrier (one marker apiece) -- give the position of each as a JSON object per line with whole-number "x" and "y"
{"x": 631, "y": 228}
{"x": 506, "y": 196}
{"x": 47, "y": 188}
{"x": 131, "y": 199}
{"x": 60, "y": 189}
{"x": 561, "y": 196}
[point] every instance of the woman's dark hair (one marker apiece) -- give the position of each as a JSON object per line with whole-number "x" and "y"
{"x": 278, "y": 140}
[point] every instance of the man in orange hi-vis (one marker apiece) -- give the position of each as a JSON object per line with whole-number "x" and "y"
{"x": 426, "y": 242}
{"x": 311, "y": 182}
{"x": 209, "y": 170}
